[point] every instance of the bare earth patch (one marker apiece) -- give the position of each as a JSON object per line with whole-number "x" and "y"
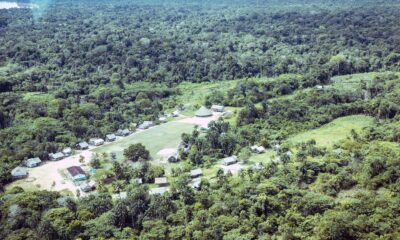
{"x": 201, "y": 121}
{"x": 165, "y": 153}
{"x": 48, "y": 176}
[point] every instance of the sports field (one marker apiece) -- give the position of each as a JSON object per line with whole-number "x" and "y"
{"x": 159, "y": 137}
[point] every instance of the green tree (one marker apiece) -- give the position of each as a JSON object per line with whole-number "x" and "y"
{"x": 135, "y": 152}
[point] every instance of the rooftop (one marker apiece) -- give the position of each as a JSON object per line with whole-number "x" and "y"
{"x": 159, "y": 190}
{"x": 75, "y": 170}
{"x": 160, "y": 180}
{"x": 203, "y": 112}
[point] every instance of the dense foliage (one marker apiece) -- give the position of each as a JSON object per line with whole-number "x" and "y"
{"x": 85, "y": 70}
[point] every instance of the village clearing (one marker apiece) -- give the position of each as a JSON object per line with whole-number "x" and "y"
{"x": 160, "y": 140}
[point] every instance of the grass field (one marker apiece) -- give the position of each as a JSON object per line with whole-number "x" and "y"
{"x": 334, "y": 131}
{"x": 352, "y": 82}
{"x": 267, "y": 156}
{"x": 162, "y": 136}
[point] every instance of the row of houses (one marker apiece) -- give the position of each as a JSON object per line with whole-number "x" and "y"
{"x": 99, "y": 141}
{"x": 205, "y": 112}
{"x": 22, "y": 171}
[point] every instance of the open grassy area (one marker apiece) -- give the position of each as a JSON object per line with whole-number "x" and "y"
{"x": 334, "y": 131}
{"x": 352, "y": 82}
{"x": 166, "y": 135}
{"x": 267, "y": 156}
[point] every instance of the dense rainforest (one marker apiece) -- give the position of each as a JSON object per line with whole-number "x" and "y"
{"x": 82, "y": 69}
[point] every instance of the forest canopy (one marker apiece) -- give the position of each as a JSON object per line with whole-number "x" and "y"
{"x": 84, "y": 69}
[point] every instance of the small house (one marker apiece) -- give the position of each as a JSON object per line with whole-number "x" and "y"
{"x": 229, "y": 160}
{"x": 146, "y": 125}
{"x": 175, "y": 113}
{"x": 122, "y": 195}
{"x": 82, "y": 145}
{"x": 203, "y": 112}
{"x": 288, "y": 153}
{"x": 173, "y": 158}
{"x": 183, "y": 147}
{"x": 19, "y": 172}
{"x": 110, "y": 137}
{"x": 159, "y": 190}
{"x": 218, "y": 108}
{"x": 136, "y": 181}
{"x": 196, "y": 173}
{"x": 96, "y": 141}
{"x": 67, "y": 151}
{"x": 62, "y": 201}
{"x": 76, "y": 173}
{"x": 196, "y": 185}
{"x": 319, "y": 87}
{"x": 87, "y": 187}
{"x": 123, "y": 132}
{"x": 33, "y": 162}
{"x": 56, "y": 156}
{"x": 256, "y": 167}
{"x": 161, "y": 181}
{"x": 257, "y": 149}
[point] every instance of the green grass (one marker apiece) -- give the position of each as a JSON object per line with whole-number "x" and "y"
{"x": 166, "y": 135}
{"x": 267, "y": 156}
{"x": 334, "y": 131}
{"x": 194, "y": 94}
{"x": 352, "y": 82}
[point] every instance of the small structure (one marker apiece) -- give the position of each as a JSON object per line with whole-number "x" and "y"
{"x": 123, "y": 132}
{"x": 229, "y": 160}
{"x": 76, "y": 173}
{"x": 56, "y": 156}
{"x": 203, "y": 112}
{"x": 183, "y": 146}
{"x": 33, "y": 162}
{"x": 288, "y": 153}
{"x": 145, "y": 125}
{"x": 122, "y": 195}
{"x": 67, "y": 151}
{"x": 319, "y": 87}
{"x": 96, "y": 141}
{"x": 256, "y": 167}
{"x": 82, "y": 145}
{"x": 162, "y": 119}
{"x": 196, "y": 173}
{"x": 218, "y": 108}
{"x": 161, "y": 181}
{"x": 175, "y": 113}
{"x": 19, "y": 172}
{"x": 173, "y": 158}
{"x": 159, "y": 190}
{"x": 196, "y": 185}
{"x": 87, "y": 187}
{"x": 62, "y": 201}
{"x": 136, "y": 181}
{"x": 110, "y": 137}
{"x": 257, "y": 149}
